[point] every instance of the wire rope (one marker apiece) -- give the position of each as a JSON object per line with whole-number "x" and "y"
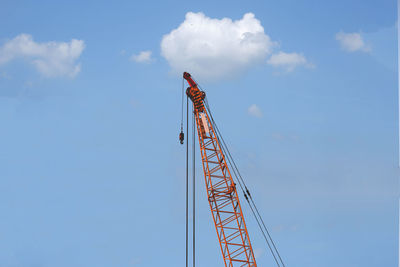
{"x": 245, "y": 190}
{"x": 187, "y": 184}
{"x": 194, "y": 188}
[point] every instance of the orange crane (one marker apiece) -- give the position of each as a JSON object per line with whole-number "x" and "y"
{"x": 222, "y": 195}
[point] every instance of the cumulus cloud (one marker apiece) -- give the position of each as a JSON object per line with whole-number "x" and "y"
{"x": 50, "y": 58}
{"x": 352, "y": 42}
{"x": 142, "y": 57}
{"x": 288, "y": 61}
{"x": 216, "y": 48}
{"x": 254, "y": 111}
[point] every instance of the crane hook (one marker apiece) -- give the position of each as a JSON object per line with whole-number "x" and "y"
{"x": 181, "y": 137}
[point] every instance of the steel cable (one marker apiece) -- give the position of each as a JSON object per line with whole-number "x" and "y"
{"x": 187, "y": 182}
{"x": 194, "y": 188}
{"x": 246, "y": 191}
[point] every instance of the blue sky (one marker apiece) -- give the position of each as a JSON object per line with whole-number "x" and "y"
{"x": 91, "y": 172}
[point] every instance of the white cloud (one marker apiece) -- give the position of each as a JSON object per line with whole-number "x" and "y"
{"x": 142, "y": 57}
{"x": 352, "y": 42}
{"x": 216, "y": 48}
{"x": 50, "y": 58}
{"x": 255, "y": 111}
{"x": 289, "y": 61}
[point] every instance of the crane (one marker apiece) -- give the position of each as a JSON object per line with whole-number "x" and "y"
{"x": 221, "y": 190}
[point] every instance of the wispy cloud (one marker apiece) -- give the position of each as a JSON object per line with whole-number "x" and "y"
{"x": 142, "y": 57}
{"x": 288, "y": 61}
{"x": 135, "y": 262}
{"x": 51, "y": 59}
{"x": 281, "y": 137}
{"x": 4, "y": 75}
{"x": 352, "y": 42}
{"x": 258, "y": 253}
{"x": 254, "y": 111}
{"x": 286, "y": 228}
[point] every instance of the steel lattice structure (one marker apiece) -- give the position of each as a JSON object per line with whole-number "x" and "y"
{"x": 221, "y": 190}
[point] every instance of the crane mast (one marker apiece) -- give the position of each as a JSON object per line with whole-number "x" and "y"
{"x": 221, "y": 190}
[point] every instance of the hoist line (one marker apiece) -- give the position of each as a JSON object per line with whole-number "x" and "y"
{"x": 251, "y": 198}
{"x": 243, "y": 190}
{"x": 194, "y": 187}
{"x": 187, "y": 183}
{"x": 262, "y": 221}
{"x": 247, "y": 192}
{"x": 259, "y": 225}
